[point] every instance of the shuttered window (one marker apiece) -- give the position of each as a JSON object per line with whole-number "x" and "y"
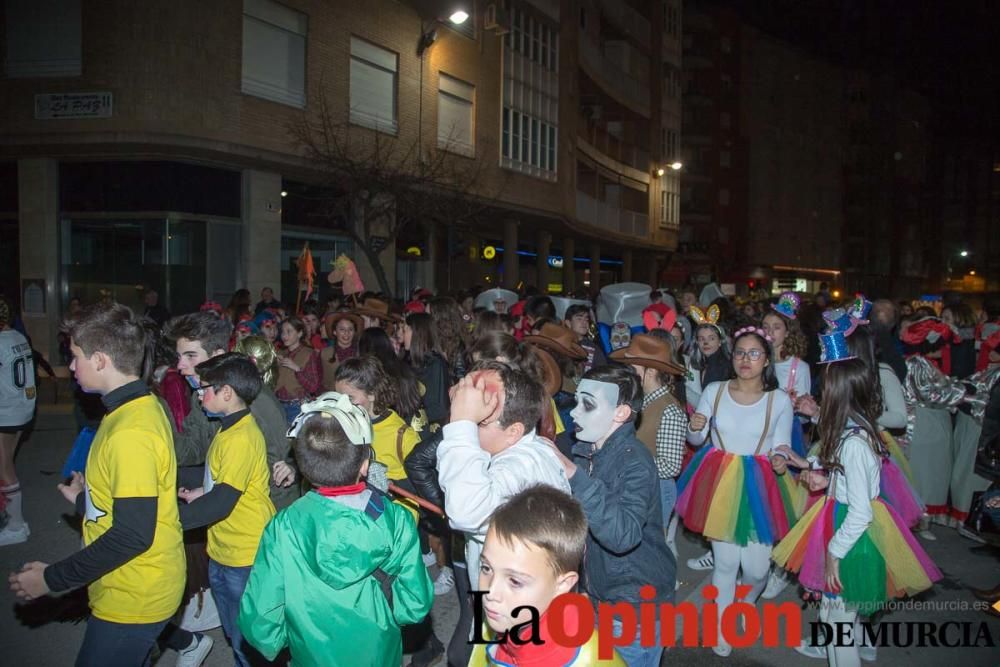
{"x": 456, "y": 119}
{"x": 373, "y": 86}
{"x": 274, "y": 52}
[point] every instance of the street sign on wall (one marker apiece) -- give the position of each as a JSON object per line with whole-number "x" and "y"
{"x": 55, "y": 106}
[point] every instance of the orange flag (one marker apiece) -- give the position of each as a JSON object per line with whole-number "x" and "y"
{"x": 307, "y": 272}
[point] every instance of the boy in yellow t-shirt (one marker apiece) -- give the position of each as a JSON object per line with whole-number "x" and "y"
{"x": 234, "y": 500}
{"x": 133, "y": 559}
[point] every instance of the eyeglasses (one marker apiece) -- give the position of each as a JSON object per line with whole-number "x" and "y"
{"x": 201, "y": 389}
{"x": 752, "y": 355}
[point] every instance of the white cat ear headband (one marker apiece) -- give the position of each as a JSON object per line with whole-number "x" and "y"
{"x": 331, "y": 405}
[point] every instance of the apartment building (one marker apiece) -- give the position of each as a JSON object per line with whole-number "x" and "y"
{"x": 148, "y": 145}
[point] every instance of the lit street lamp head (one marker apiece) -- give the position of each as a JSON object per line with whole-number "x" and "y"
{"x": 458, "y": 17}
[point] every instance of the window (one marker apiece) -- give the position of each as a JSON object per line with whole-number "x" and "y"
{"x": 274, "y": 52}
{"x": 726, "y": 44}
{"x": 533, "y": 38}
{"x": 725, "y": 159}
{"x": 671, "y": 19}
{"x": 725, "y": 120}
{"x": 723, "y": 197}
{"x": 456, "y": 120}
{"x": 373, "y": 86}
{"x": 43, "y": 38}
{"x": 727, "y": 83}
{"x": 668, "y": 144}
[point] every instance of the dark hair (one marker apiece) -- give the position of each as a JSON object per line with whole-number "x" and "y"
{"x": 325, "y": 455}
{"x": 861, "y": 344}
{"x": 116, "y": 331}
{"x": 523, "y": 394}
{"x": 795, "y": 344}
{"x": 207, "y": 329}
{"x": 367, "y": 374}
{"x": 449, "y": 326}
{"x": 233, "y": 369}
{"x": 769, "y": 379}
{"x": 540, "y": 306}
{"x": 668, "y": 379}
{"x": 963, "y": 315}
{"x": 629, "y": 388}
{"x": 423, "y": 342}
{"x": 375, "y": 342}
{"x": 487, "y": 321}
{"x": 698, "y": 360}
{"x": 544, "y": 517}
{"x": 576, "y": 309}
{"x": 847, "y": 395}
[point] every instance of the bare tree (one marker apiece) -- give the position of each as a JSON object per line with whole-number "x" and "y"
{"x": 375, "y": 185}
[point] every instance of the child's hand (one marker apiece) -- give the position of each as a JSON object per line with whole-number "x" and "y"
{"x": 832, "y": 572}
{"x": 282, "y": 474}
{"x": 471, "y": 401}
{"x": 786, "y": 452}
{"x": 190, "y": 495}
{"x": 29, "y": 583}
{"x": 779, "y": 464}
{"x": 74, "y": 488}
{"x": 697, "y": 422}
{"x": 289, "y": 364}
{"x": 807, "y": 405}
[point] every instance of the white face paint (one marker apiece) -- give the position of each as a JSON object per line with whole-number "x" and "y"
{"x": 595, "y": 410}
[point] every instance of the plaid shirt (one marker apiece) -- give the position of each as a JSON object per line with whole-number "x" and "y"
{"x": 671, "y": 435}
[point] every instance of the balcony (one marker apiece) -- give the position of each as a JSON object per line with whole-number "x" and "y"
{"x": 611, "y": 218}
{"x": 627, "y": 19}
{"x": 619, "y": 84}
{"x": 612, "y": 153}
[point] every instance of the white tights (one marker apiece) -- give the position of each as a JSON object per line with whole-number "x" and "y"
{"x": 754, "y": 560}
{"x": 832, "y": 611}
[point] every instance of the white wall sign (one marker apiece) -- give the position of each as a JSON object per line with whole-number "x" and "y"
{"x": 50, "y": 106}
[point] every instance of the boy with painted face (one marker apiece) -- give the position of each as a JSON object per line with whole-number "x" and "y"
{"x": 614, "y": 478}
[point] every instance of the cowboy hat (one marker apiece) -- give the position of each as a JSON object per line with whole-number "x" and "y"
{"x": 377, "y": 308}
{"x": 331, "y": 319}
{"x": 651, "y": 351}
{"x": 552, "y": 379}
{"x": 558, "y": 339}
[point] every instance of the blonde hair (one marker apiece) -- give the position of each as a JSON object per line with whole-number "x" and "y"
{"x": 263, "y": 355}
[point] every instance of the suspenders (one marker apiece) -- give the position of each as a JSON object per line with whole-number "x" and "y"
{"x": 767, "y": 420}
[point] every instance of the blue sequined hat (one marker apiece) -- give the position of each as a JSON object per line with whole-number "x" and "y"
{"x": 788, "y": 304}
{"x": 860, "y": 308}
{"x": 833, "y": 347}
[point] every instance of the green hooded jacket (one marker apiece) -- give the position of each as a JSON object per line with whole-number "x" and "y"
{"x": 313, "y": 586}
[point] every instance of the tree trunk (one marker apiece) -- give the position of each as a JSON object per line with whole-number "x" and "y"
{"x": 377, "y": 268}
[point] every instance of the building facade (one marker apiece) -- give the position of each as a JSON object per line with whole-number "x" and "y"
{"x": 149, "y": 145}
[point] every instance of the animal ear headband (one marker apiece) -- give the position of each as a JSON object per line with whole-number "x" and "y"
{"x": 788, "y": 304}
{"x": 711, "y": 316}
{"x": 659, "y": 316}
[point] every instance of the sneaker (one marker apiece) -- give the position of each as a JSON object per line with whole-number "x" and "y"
{"x": 868, "y": 653}
{"x": 195, "y": 654}
{"x": 706, "y": 562}
{"x": 969, "y": 535}
{"x": 776, "y": 582}
{"x": 810, "y": 651}
{"x": 722, "y": 649}
{"x": 432, "y": 654}
{"x": 445, "y": 581}
{"x": 429, "y": 558}
{"x": 14, "y": 535}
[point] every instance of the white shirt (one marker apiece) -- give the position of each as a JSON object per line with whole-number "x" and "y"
{"x": 855, "y": 487}
{"x": 476, "y": 484}
{"x": 741, "y": 425}
{"x": 17, "y": 379}
{"x": 803, "y": 377}
{"x": 692, "y": 383}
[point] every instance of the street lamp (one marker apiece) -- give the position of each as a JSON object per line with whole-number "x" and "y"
{"x": 429, "y": 35}
{"x": 458, "y": 17}
{"x": 676, "y": 166}
{"x": 964, "y": 253}
{"x": 660, "y": 171}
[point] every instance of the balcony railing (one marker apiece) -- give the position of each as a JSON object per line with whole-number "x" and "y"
{"x": 613, "y": 147}
{"x": 610, "y": 217}
{"x": 629, "y": 21}
{"x": 621, "y": 85}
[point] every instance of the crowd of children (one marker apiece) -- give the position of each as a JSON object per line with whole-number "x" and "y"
{"x": 331, "y": 456}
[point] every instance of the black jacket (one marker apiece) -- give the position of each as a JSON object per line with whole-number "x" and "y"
{"x": 988, "y": 455}
{"x": 421, "y": 468}
{"x": 619, "y": 489}
{"x": 436, "y": 378}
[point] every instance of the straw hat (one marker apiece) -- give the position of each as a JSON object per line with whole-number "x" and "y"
{"x": 558, "y": 339}
{"x": 646, "y": 350}
{"x": 331, "y": 319}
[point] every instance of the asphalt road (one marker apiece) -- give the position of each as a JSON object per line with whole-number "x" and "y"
{"x": 49, "y": 632}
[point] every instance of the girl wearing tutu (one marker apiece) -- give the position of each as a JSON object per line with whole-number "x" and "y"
{"x": 729, "y": 492}
{"x": 852, "y": 546}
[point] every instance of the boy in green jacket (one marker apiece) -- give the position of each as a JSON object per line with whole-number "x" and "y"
{"x": 339, "y": 571}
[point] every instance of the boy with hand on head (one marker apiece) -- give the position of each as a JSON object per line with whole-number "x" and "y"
{"x": 199, "y": 337}
{"x": 233, "y": 500}
{"x": 133, "y": 559}
{"x": 532, "y": 555}
{"x": 340, "y": 570}
{"x": 614, "y": 477}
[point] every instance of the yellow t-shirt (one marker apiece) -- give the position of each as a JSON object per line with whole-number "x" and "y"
{"x": 385, "y": 433}
{"x": 132, "y": 456}
{"x": 560, "y": 427}
{"x": 238, "y": 457}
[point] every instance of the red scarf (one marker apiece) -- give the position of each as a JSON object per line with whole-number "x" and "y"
{"x": 540, "y": 655}
{"x": 330, "y": 491}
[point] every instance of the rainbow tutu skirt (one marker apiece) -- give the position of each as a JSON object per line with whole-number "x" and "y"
{"x": 736, "y": 499}
{"x": 895, "y": 489}
{"x": 885, "y": 563}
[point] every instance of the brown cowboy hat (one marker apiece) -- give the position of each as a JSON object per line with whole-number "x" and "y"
{"x": 552, "y": 379}
{"x": 377, "y": 308}
{"x": 558, "y": 339}
{"x": 331, "y": 319}
{"x": 651, "y": 351}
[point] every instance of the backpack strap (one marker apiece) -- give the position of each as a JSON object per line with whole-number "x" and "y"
{"x": 374, "y": 510}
